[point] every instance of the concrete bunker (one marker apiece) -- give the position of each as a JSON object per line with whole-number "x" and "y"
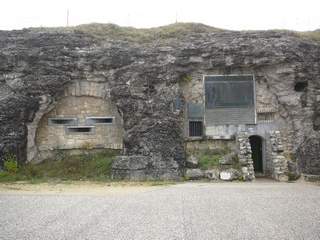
{"x": 83, "y": 118}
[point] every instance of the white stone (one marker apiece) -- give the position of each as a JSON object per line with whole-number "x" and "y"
{"x": 226, "y": 176}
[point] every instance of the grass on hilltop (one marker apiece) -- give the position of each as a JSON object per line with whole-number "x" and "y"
{"x": 110, "y": 31}
{"x": 114, "y": 32}
{"x": 311, "y": 35}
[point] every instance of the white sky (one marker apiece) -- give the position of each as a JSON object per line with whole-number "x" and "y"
{"x": 230, "y": 14}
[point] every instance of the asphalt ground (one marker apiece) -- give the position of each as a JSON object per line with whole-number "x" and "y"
{"x": 258, "y": 210}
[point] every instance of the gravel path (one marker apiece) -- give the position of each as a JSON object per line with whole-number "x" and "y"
{"x": 259, "y": 210}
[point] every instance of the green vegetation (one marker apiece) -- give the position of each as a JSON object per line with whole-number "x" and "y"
{"x": 10, "y": 163}
{"x": 87, "y": 166}
{"x": 209, "y": 161}
{"x": 102, "y": 31}
{"x": 292, "y": 176}
{"x": 209, "y": 158}
{"x": 185, "y": 79}
{"x": 111, "y": 31}
{"x": 290, "y": 156}
{"x": 115, "y": 32}
{"x": 311, "y": 35}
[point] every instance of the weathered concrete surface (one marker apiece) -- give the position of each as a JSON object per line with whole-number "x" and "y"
{"x": 258, "y": 210}
{"x": 143, "y": 81}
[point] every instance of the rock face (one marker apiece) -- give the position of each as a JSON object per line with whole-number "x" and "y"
{"x": 309, "y": 156}
{"x": 143, "y": 80}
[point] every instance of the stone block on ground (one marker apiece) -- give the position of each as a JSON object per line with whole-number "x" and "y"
{"x": 141, "y": 168}
{"x": 194, "y": 174}
{"x": 212, "y": 174}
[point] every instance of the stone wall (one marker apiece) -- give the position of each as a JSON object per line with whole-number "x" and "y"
{"x": 279, "y": 161}
{"x": 211, "y": 144}
{"x": 307, "y": 154}
{"x": 244, "y": 155}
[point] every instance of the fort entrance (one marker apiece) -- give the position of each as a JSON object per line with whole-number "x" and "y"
{"x": 257, "y": 153}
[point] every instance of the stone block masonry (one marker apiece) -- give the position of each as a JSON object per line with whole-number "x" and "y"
{"x": 279, "y": 161}
{"x": 244, "y": 155}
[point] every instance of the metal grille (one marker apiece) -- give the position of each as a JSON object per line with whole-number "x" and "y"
{"x": 229, "y": 99}
{"x": 195, "y": 128}
{"x": 229, "y": 91}
{"x": 266, "y": 117}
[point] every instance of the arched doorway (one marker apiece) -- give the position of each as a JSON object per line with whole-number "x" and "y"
{"x": 257, "y": 153}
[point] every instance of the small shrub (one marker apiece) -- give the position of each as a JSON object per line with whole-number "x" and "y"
{"x": 186, "y": 79}
{"x": 10, "y": 163}
{"x": 31, "y": 170}
{"x": 87, "y": 146}
{"x": 9, "y": 177}
{"x": 293, "y": 176}
{"x": 290, "y": 156}
{"x": 209, "y": 161}
{"x": 60, "y": 155}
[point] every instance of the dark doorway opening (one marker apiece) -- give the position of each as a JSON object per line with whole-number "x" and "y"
{"x": 257, "y": 156}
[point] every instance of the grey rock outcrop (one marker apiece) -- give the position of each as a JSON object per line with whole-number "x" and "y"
{"x": 143, "y": 81}
{"x": 309, "y": 155}
{"x": 138, "y": 167}
{"x": 194, "y": 174}
{"x": 294, "y": 173}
